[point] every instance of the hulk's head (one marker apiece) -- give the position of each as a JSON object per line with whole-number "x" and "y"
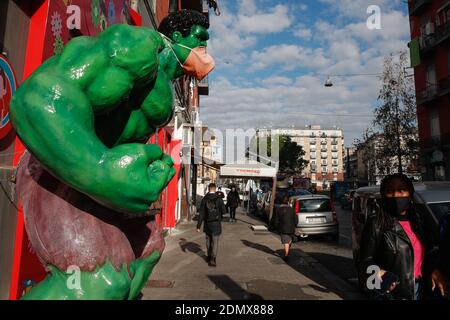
{"x": 186, "y": 34}
{"x": 186, "y": 27}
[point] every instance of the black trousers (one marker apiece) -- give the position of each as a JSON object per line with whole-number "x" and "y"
{"x": 232, "y": 213}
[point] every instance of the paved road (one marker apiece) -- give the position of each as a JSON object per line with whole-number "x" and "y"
{"x": 334, "y": 255}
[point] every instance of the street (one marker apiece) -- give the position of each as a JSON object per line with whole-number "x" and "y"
{"x": 250, "y": 266}
{"x": 334, "y": 255}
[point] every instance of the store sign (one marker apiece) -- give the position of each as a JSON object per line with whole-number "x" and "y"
{"x": 8, "y": 85}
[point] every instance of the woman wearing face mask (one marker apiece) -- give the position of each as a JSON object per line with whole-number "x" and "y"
{"x": 397, "y": 244}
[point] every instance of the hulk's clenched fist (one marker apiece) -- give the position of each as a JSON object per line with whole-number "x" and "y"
{"x": 85, "y": 113}
{"x": 85, "y": 116}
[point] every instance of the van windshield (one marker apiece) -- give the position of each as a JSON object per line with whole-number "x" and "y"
{"x": 314, "y": 205}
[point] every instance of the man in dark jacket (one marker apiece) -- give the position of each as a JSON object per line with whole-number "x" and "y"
{"x": 211, "y": 210}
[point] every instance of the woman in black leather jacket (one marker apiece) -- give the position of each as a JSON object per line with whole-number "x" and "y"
{"x": 396, "y": 245}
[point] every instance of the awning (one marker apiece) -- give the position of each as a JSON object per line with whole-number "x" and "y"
{"x": 248, "y": 170}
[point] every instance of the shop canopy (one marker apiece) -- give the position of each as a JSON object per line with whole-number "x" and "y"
{"x": 248, "y": 170}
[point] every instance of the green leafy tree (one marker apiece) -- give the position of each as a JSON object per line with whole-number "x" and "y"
{"x": 396, "y": 117}
{"x": 290, "y": 157}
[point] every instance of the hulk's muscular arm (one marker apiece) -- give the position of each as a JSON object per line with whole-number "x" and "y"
{"x": 53, "y": 114}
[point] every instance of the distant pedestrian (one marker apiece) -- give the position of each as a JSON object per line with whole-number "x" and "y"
{"x": 211, "y": 210}
{"x": 287, "y": 222}
{"x": 220, "y": 193}
{"x": 233, "y": 201}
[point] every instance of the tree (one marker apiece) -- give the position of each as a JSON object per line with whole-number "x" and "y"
{"x": 396, "y": 117}
{"x": 290, "y": 158}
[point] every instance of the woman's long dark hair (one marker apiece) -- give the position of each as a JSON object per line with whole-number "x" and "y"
{"x": 385, "y": 220}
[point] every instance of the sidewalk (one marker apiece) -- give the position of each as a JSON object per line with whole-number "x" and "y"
{"x": 249, "y": 267}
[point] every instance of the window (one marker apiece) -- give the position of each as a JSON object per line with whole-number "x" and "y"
{"x": 426, "y": 20}
{"x": 431, "y": 78}
{"x": 314, "y": 205}
{"x": 435, "y": 129}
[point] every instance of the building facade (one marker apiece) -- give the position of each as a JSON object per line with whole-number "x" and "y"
{"x": 430, "y": 34}
{"x": 324, "y": 150}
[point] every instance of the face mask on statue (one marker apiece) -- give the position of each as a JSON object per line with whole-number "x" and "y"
{"x": 198, "y": 64}
{"x": 395, "y": 206}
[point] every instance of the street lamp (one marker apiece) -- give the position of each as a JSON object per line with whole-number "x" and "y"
{"x": 328, "y": 82}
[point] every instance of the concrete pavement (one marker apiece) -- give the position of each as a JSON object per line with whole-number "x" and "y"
{"x": 249, "y": 268}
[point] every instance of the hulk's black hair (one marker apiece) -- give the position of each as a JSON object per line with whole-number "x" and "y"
{"x": 182, "y": 21}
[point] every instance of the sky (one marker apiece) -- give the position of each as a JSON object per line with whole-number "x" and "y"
{"x": 273, "y": 57}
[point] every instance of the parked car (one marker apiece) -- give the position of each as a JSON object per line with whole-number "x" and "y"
{"x": 432, "y": 200}
{"x": 316, "y": 215}
{"x": 347, "y": 199}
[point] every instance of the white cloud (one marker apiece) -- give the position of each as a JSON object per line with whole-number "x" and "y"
{"x": 277, "y": 81}
{"x": 275, "y": 20}
{"x": 290, "y": 57}
{"x": 303, "y": 32}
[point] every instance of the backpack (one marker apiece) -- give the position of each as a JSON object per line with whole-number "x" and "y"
{"x": 212, "y": 212}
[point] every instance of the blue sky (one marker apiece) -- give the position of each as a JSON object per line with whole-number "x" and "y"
{"x": 273, "y": 58}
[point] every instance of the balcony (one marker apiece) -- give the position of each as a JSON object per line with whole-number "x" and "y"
{"x": 203, "y": 87}
{"x": 334, "y": 142}
{"x": 313, "y": 156}
{"x": 324, "y": 156}
{"x": 416, "y": 7}
{"x": 335, "y": 156}
{"x": 430, "y": 41}
{"x": 444, "y": 86}
{"x": 323, "y": 142}
{"x": 312, "y": 141}
{"x": 323, "y": 149}
{"x": 427, "y": 95}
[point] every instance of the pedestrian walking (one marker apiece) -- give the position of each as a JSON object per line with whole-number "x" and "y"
{"x": 220, "y": 193}
{"x": 397, "y": 244}
{"x": 233, "y": 201}
{"x": 287, "y": 222}
{"x": 211, "y": 210}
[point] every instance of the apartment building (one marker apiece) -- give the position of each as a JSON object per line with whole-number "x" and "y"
{"x": 430, "y": 53}
{"x": 324, "y": 149}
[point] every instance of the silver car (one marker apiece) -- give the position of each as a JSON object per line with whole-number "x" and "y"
{"x": 316, "y": 215}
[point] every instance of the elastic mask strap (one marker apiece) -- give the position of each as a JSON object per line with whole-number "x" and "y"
{"x": 170, "y": 43}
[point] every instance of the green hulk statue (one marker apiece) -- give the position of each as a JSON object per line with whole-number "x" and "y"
{"x": 89, "y": 180}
